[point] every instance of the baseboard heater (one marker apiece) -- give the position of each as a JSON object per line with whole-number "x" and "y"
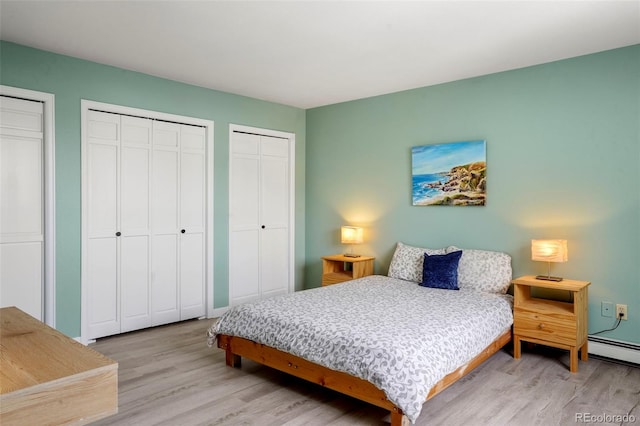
{"x": 615, "y": 349}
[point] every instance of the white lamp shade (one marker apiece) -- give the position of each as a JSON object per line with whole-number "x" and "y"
{"x": 351, "y": 235}
{"x": 549, "y": 250}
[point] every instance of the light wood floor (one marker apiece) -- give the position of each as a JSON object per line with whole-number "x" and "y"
{"x": 168, "y": 376}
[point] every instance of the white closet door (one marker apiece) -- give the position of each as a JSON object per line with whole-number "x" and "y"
{"x": 274, "y": 244}
{"x": 165, "y": 305}
{"x": 103, "y": 295}
{"x": 21, "y": 205}
{"x": 145, "y": 203}
{"x": 135, "y": 239}
{"x": 244, "y": 219}
{"x": 259, "y": 217}
{"x": 193, "y": 170}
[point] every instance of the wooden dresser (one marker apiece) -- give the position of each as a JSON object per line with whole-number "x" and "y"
{"x": 49, "y": 378}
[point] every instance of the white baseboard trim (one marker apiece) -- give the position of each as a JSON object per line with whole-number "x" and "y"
{"x": 87, "y": 343}
{"x": 217, "y": 312}
{"x": 615, "y": 349}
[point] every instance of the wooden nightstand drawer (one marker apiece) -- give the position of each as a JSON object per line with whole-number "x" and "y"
{"x": 551, "y": 322}
{"x": 545, "y": 327}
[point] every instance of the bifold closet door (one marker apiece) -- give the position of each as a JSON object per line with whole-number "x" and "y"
{"x": 193, "y": 172}
{"x": 21, "y": 205}
{"x": 258, "y": 217}
{"x": 178, "y": 271}
{"x": 103, "y": 296}
{"x": 274, "y": 214}
{"x": 244, "y": 219}
{"x": 146, "y": 235}
{"x": 118, "y": 223}
{"x": 135, "y": 229}
{"x": 166, "y": 172}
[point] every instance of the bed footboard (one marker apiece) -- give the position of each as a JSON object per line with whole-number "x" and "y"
{"x": 237, "y": 347}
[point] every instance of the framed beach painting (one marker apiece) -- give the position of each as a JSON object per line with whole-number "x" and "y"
{"x": 451, "y": 174}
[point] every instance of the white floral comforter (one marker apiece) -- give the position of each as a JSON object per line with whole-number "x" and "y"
{"x": 399, "y": 336}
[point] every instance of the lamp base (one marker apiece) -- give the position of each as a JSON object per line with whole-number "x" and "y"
{"x": 351, "y": 255}
{"x": 548, "y": 278}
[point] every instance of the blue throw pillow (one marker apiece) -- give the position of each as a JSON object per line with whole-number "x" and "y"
{"x": 441, "y": 271}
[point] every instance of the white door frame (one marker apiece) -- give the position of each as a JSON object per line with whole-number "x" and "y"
{"x": 85, "y": 106}
{"x": 292, "y": 186}
{"x": 49, "y": 285}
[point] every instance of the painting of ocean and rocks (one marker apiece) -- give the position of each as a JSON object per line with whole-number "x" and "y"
{"x": 451, "y": 174}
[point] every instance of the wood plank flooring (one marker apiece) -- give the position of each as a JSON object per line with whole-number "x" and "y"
{"x": 168, "y": 376}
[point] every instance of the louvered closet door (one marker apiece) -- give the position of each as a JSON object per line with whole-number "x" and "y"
{"x": 21, "y": 205}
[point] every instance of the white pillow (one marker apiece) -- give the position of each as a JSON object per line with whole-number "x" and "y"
{"x": 483, "y": 270}
{"x": 407, "y": 262}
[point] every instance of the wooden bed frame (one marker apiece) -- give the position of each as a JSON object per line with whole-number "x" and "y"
{"x": 237, "y": 347}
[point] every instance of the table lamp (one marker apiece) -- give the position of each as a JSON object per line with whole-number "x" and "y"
{"x": 549, "y": 251}
{"x": 351, "y": 235}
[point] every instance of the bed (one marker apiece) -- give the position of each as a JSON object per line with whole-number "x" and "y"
{"x": 382, "y": 339}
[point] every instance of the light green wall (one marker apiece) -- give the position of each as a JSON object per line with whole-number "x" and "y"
{"x": 563, "y": 156}
{"x": 563, "y": 151}
{"x": 71, "y": 80}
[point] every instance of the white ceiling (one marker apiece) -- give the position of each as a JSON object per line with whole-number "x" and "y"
{"x": 313, "y": 53}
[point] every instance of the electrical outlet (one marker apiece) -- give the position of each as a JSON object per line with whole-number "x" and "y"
{"x": 621, "y": 309}
{"x": 607, "y": 309}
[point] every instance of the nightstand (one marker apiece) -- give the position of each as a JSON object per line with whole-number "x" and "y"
{"x": 339, "y": 268}
{"x": 550, "y": 322}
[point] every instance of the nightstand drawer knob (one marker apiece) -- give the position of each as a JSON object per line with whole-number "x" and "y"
{"x": 540, "y": 326}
